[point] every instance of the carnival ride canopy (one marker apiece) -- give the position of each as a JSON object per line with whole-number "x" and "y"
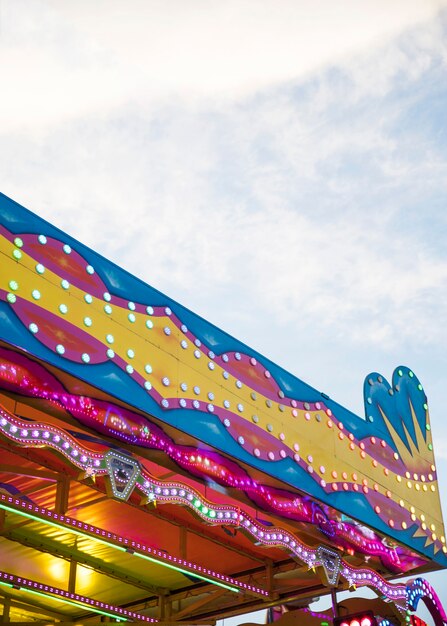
{"x": 239, "y": 476}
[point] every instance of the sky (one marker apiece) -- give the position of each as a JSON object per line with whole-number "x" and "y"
{"x": 277, "y": 166}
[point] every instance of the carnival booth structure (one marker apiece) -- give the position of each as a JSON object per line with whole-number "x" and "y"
{"x": 155, "y": 469}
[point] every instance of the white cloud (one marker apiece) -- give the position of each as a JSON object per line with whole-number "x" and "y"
{"x": 293, "y": 201}
{"x": 63, "y": 60}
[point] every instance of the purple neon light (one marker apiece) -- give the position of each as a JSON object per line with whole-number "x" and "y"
{"x": 41, "y": 384}
{"x": 133, "y": 547}
{"x": 420, "y": 589}
{"x": 230, "y": 515}
{"x": 18, "y": 581}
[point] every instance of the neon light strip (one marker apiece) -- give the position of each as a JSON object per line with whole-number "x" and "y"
{"x": 366, "y": 577}
{"x": 74, "y": 599}
{"x": 158, "y": 490}
{"x": 31, "y": 511}
{"x": 70, "y": 602}
{"x": 292, "y": 505}
{"x": 96, "y": 463}
{"x": 421, "y": 589}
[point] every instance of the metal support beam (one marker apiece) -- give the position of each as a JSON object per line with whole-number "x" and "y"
{"x": 164, "y": 607}
{"x": 269, "y": 577}
{"x": 32, "y": 473}
{"x": 183, "y": 538}
{"x": 334, "y": 601}
{"x": 198, "y": 604}
{"x": 72, "y": 576}
{"x": 62, "y": 494}
{"x": 6, "y": 608}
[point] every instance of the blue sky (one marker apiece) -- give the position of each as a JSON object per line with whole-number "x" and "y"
{"x": 279, "y": 168}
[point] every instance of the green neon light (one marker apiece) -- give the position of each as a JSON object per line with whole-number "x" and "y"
{"x": 66, "y": 601}
{"x": 59, "y": 526}
{"x": 112, "y": 545}
{"x": 186, "y": 571}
